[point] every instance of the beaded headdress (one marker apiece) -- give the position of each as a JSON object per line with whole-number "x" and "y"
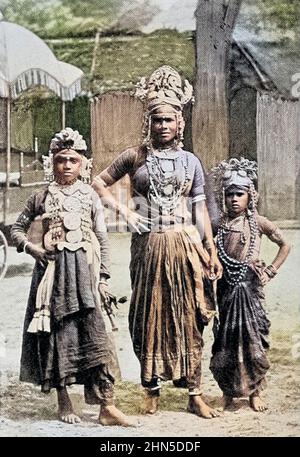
{"x": 240, "y": 173}
{"x": 164, "y": 88}
{"x": 67, "y": 139}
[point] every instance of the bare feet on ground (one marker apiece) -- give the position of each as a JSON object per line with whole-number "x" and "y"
{"x": 197, "y": 406}
{"x": 257, "y": 403}
{"x": 111, "y": 415}
{"x": 65, "y": 408}
{"x": 150, "y": 404}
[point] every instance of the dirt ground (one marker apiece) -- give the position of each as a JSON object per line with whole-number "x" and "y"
{"x": 26, "y": 412}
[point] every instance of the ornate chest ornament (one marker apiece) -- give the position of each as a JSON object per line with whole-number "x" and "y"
{"x": 68, "y": 210}
{"x": 169, "y": 179}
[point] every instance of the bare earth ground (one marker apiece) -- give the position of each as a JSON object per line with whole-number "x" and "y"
{"x": 26, "y": 412}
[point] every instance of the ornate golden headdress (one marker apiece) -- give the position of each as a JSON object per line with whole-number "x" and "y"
{"x": 164, "y": 87}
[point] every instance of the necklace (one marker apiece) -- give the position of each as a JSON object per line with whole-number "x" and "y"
{"x": 243, "y": 238}
{"x": 167, "y": 182}
{"x": 61, "y": 182}
{"x": 234, "y": 269}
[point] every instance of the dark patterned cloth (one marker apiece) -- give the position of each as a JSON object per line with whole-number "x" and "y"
{"x": 77, "y": 342}
{"x": 239, "y": 355}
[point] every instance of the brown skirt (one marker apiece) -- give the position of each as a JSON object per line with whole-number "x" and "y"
{"x": 168, "y": 307}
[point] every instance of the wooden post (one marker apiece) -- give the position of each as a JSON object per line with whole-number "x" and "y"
{"x": 8, "y": 160}
{"x": 21, "y": 166}
{"x": 215, "y": 20}
{"x": 63, "y": 114}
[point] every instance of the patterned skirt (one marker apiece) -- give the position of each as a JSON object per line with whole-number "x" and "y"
{"x": 166, "y": 316}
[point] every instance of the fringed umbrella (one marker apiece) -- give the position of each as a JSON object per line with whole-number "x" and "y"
{"x": 25, "y": 62}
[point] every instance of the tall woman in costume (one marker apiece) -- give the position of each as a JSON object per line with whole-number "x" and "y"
{"x": 169, "y": 264}
{"x": 239, "y": 362}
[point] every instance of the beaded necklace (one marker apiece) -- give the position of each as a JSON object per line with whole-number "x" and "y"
{"x": 235, "y": 270}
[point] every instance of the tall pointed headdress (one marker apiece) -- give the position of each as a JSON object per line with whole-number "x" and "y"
{"x": 164, "y": 87}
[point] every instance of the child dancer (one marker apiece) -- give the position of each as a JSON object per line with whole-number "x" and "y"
{"x": 239, "y": 360}
{"x": 64, "y": 339}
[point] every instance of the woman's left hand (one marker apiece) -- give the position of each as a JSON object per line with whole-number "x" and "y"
{"x": 215, "y": 268}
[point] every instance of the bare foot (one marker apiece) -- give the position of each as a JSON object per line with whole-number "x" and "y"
{"x": 150, "y": 404}
{"x": 69, "y": 418}
{"x": 257, "y": 403}
{"x": 226, "y": 402}
{"x": 197, "y": 406}
{"x": 110, "y": 415}
{"x": 65, "y": 408}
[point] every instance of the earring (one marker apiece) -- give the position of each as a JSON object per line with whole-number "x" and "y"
{"x": 48, "y": 167}
{"x": 86, "y": 169}
{"x": 180, "y": 130}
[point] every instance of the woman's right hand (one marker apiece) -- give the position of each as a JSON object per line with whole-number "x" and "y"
{"x": 136, "y": 222}
{"x": 40, "y": 254}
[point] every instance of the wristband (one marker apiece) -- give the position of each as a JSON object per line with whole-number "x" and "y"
{"x": 25, "y": 246}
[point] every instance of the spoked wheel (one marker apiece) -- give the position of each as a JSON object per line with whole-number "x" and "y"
{"x": 3, "y": 255}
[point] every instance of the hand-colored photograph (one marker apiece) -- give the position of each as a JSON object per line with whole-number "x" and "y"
{"x": 149, "y": 218}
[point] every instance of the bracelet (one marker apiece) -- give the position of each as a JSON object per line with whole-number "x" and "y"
{"x": 273, "y": 269}
{"x": 103, "y": 281}
{"x": 25, "y": 246}
{"x": 270, "y": 271}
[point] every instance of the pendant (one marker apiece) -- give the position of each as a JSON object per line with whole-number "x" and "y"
{"x": 168, "y": 189}
{"x": 72, "y": 221}
{"x": 167, "y": 166}
{"x": 72, "y": 205}
{"x": 74, "y": 236}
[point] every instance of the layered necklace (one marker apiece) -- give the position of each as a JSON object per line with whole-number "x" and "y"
{"x": 235, "y": 270}
{"x": 168, "y": 175}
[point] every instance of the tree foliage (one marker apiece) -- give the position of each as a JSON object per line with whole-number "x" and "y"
{"x": 284, "y": 14}
{"x": 63, "y": 18}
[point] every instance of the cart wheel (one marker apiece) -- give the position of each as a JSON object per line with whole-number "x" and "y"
{"x": 3, "y": 255}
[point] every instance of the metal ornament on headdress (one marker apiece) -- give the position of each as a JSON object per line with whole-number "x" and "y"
{"x": 164, "y": 87}
{"x": 48, "y": 167}
{"x": 241, "y": 173}
{"x": 67, "y": 139}
{"x": 86, "y": 169}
